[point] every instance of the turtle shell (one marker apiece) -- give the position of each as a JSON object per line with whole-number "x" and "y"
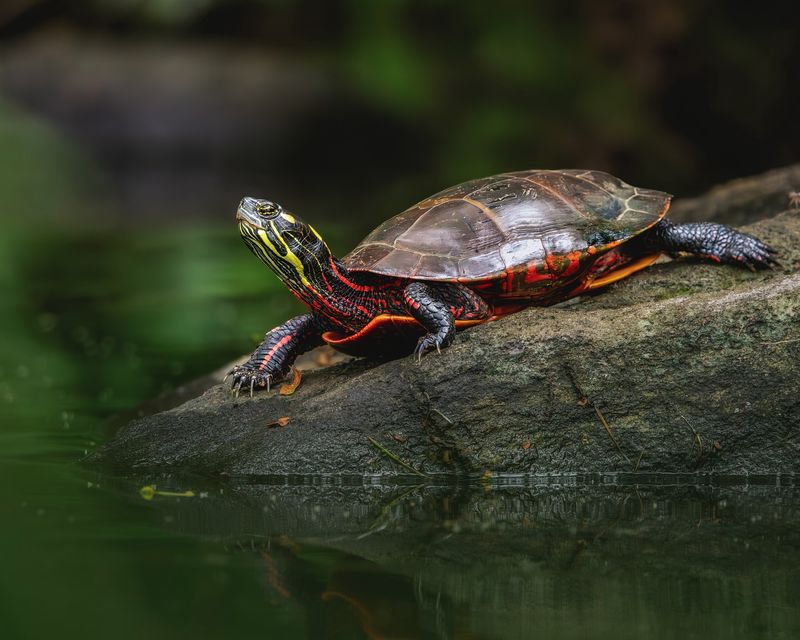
{"x": 483, "y": 228}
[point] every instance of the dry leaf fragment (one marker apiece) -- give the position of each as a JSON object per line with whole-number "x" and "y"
{"x": 280, "y": 422}
{"x": 290, "y": 387}
{"x": 526, "y": 445}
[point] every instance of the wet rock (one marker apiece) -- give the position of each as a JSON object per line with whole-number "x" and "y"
{"x": 684, "y": 367}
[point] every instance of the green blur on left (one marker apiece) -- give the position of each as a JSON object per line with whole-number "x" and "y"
{"x": 97, "y": 316}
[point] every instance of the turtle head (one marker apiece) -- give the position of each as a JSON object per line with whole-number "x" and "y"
{"x": 286, "y": 244}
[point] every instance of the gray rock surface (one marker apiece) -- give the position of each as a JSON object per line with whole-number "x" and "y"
{"x": 684, "y": 367}
{"x": 743, "y": 200}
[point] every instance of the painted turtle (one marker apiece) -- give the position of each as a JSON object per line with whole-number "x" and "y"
{"x": 467, "y": 255}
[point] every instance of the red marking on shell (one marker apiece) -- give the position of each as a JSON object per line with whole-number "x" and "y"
{"x": 553, "y": 263}
{"x": 509, "y": 283}
{"x": 574, "y": 263}
{"x": 532, "y": 273}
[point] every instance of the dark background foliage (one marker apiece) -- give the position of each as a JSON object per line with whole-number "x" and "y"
{"x": 350, "y": 108}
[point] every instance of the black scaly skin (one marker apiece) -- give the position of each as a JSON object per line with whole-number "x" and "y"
{"x": 273, "y": 358}
{"x": 436, "y": 307}
{"x": 710, "y": 240}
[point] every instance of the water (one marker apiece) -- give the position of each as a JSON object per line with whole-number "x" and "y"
{"x": 95, "y": 321}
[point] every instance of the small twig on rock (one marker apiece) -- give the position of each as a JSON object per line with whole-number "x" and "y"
{"x": 395, "y": 457}
{"x": 694, "y": 431}
{"x": 432, "y": 409}
{"x": 607, "y": 427}
{"x": 584, "y": 400}
{"x": 782, "y": 341}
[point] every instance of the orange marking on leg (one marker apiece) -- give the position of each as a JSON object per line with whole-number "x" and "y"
{"x": 272, "y": 351}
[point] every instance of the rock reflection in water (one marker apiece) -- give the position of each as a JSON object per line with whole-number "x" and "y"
{"x": 516, "y": 560}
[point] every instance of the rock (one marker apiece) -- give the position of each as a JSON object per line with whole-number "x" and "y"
{"x": 744, "y": 200}
{"x": 684, "y": 367}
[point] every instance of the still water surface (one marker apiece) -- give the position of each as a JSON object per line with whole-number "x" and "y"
{"x": 95, "y": 322}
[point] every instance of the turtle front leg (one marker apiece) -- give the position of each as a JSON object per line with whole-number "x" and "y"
{"x": 437, "y": 306}
{"x": 717, "y": 242}
{"x": 274, "y": 357}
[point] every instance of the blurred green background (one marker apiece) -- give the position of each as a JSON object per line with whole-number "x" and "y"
{"x": 130, "y": 129}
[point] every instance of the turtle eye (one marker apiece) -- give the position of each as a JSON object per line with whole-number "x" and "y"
{"x": 267, "y": 209}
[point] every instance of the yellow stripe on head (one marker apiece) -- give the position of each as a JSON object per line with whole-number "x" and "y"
{"x": 290, "y": 256}
{"x": 314, "y": 231}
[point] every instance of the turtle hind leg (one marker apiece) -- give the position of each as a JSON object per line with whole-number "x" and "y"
{"x": 717, "y": 242}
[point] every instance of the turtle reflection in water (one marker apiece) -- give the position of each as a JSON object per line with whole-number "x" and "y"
{"x": 467, "y": 255}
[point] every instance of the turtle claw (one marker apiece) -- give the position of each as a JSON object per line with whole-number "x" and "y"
{"x": 420, "y": 350}
{"x": 748, "y": 251}
{"x": 247, "y": 376}
{"x": 430, "y": 342}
